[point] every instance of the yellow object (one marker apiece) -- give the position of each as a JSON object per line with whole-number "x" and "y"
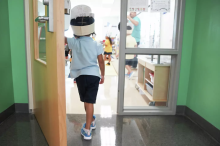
{"x": 108, "y": 46}
{"x": 70, "y": 59}
{"x": 130, "y": 43}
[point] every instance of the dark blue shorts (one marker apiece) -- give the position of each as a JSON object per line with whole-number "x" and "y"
{"x": 88, "y": 88}
{"x": 107, "y": 53}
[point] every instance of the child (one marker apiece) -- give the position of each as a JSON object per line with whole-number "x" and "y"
{"x": 84, "y": 68}
{"x": 130, "y": 43}
{"x": 108, "y": 50}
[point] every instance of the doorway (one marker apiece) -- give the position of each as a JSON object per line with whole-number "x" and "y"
{"x": 151, "y": 76}
{"x": 152, "y": 88}
{"x": 106, "y": 24}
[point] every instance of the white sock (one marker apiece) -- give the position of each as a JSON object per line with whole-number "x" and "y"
{"x": 87, "y": 131}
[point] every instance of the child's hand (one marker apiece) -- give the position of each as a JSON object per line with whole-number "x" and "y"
{"x": 102, "y": 80}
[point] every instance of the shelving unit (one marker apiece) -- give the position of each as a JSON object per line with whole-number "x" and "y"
{"x": 161, "y": 80}
{"x": 149, "y": 81}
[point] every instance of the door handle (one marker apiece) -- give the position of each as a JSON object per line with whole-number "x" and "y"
{"x": 49, "y": 17}
{"x": 42, "y": 19}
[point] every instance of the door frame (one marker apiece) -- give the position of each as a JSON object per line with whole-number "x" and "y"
{"x": 28, "y": 55}
{"x": 175, "y": 64}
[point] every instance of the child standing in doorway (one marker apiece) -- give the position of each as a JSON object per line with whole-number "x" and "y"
{"x": 84, "y": 68}
{"x": 108, "y": 50}
{"x": 130, "y": 43}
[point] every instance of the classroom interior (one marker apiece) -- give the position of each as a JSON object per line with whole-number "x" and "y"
{"x": 149, "y": 85}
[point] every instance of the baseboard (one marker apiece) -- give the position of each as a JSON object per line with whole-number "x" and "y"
{"x": 180, "y": 110}
{"x": 21, "y": 108}
{"x": 6, "y": 113}
{"x": 208, "y": 127}
{"x": 204, "y": 124}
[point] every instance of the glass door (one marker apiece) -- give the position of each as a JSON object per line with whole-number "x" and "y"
{"x": 149, "y": 56}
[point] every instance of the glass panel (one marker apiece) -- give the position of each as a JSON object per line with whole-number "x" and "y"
{"x": 146, "y": 80}
{"x": 151, "y": 29}
{"x": 41, "y": 32}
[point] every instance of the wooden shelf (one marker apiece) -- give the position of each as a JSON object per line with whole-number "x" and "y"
{"x": 149, "y": 81}
{"x": 141, "y": 86}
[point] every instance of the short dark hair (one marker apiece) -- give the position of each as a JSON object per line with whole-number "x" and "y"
{"x": 76, "y": 36}
{"x": 82, "y": 21}
{"x": 128, "y": 27}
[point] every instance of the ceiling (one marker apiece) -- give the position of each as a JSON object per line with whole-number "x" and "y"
{"x": 101, "y": 8}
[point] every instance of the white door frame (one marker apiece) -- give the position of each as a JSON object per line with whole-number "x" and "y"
{"x": 175, "y": 64}
{"x": 28, "y": 54}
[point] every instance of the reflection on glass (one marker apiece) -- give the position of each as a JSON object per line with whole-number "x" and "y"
{"x": 108, "y": 136}
{"x": 41, "y": 32}
{"x": 42, "y": 41}
{"x": 153, "y": 29}
{"x": 147, "y": 80}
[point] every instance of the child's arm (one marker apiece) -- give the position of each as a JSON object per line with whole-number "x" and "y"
{"x": 65, "y": 38}
{"x": 102, "y": 67}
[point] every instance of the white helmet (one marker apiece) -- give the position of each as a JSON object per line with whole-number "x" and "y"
{"x": 82, "y": 20}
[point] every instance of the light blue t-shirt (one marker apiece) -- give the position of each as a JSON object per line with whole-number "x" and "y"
{"x": 137, "y": 30}
{"x": 84, "y": 56}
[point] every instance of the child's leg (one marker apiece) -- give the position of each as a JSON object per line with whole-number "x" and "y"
{"x": 105, "y": 57}
{"x": 89, "y": 114}
{"x": 128, "y": 68}
{"x": 85, "y": 111}
{"x": 109, "y": 58}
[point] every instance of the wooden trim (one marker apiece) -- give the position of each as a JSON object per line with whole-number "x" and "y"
{"x": 41, "y": 61}
{"x": 36, "y": 41}
{"x": 59, "y": 28}
{"x": 36, "y": 38}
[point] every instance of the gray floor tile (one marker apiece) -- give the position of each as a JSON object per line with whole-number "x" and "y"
{"x": 23, "y": 129}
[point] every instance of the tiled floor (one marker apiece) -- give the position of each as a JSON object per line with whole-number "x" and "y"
{"x": 23, "y": 130}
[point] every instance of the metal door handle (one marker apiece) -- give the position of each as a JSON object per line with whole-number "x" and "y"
{"x": 49, "y": 17}
{"x": 42, "y": 19}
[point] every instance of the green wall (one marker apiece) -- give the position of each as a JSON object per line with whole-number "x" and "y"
{"x": 204, "y": 81}
{"x": 189, "y": 22}
{"x": 18, "y": 52}
{"x": 13, "y": 73}
{"x": 6, "y": 80}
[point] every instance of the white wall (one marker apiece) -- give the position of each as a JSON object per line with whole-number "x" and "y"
{"x": 166, "y": 32}
{"x": 102, "y": 30}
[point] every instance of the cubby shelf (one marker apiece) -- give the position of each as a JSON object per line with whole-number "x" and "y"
{"x": 161, "y": 79}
